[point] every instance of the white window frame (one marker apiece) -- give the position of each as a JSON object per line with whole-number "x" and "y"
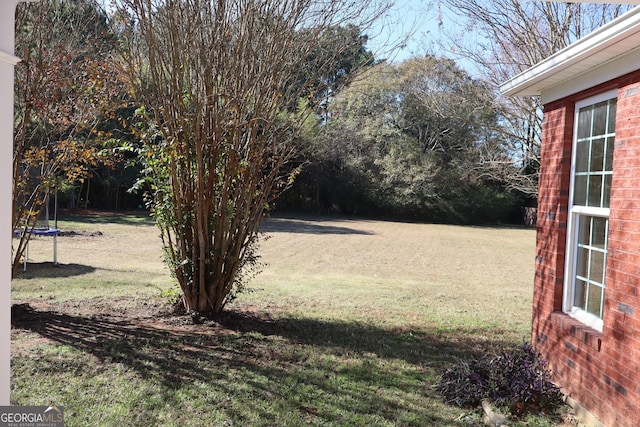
{"x": 574, "y": 212}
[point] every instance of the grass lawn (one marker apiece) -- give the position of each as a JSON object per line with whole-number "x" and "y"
{"x": 350, "y": 322}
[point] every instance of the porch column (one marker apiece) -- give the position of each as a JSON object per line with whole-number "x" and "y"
{"x": 7, "y": 62}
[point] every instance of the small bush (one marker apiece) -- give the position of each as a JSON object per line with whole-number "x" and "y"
{"x": 173, "y": 295}
{"x": 518, "y": 380}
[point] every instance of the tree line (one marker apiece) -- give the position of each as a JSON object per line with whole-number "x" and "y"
{"x": 407, "y": 141}
{"x": 213, "y": 113}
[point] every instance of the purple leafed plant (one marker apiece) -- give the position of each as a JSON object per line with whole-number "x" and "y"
{"x": 518, "y": 380}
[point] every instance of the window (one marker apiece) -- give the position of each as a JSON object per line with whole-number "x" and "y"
{"x": 591, "y": 173}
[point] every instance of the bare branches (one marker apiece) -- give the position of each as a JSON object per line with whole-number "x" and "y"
{"x": 511, "y": 36}
{"x": 222, "y": 82}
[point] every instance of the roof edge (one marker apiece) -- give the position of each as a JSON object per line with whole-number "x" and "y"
{"x": 524, "y": 84}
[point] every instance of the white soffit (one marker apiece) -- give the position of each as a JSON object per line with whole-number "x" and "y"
{"x": 613, "y": 40}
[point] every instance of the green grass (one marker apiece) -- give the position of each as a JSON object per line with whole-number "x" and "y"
{"x": 350, "y": 323}
{"x": 249, "y": 379}
{"x": 104, "y": 256}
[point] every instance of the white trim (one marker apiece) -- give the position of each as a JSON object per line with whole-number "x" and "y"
{"x": 602, "y": 45}
{"x": 10, "y": 59}
{"x": 596, "y": 76}
{"x": 570, "y": 269}
{"x": 7, "y": 25}
{"x": 589, "y": 210}
{"x": 572, "y": 224}
{"x": 587, "y": 318}
{"x": 7, "y": 62}
{"x": 604, "y": 96}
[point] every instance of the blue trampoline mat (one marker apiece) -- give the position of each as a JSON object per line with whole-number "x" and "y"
{"x": 41, "y": 232}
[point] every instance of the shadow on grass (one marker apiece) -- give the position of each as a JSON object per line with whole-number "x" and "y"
{"x": 327, "y": 371}
{"x": 38, "y": 270}
{"x": 108, "y": 217}
{"x": 433, "y": 347}
{"x": 303, "y": 226}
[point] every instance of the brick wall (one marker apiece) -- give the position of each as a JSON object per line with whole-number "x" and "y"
{"x": 599, "y": 370}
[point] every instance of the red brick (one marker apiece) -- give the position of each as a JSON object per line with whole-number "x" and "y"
{"x": 603, "y": 378}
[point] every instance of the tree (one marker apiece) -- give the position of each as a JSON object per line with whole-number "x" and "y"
{"x": 63, "y": 84}
{"x": 340, "y": 52}
{"x": 509, "y": 36}
{"x": 217, "y": 80}
{"x": 353, "y": 57}
{"x": 456, "y": 122}
{"x": 405, "y": 140}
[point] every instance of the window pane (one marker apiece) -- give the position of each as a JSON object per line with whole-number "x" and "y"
{"x": 597, "y": 155}
{"x": 584, "y": 123}
{"x": 584, "y": 232}
{"x": 594, "y": 300}
{"x": 613, "y": 106}
{"x": 595, "y": 190}
{"x": 608, "y": 164}
{"x": 596, "y": 267}
{"x": 607, "y": 191}
{"x": 600, "y": 118}
{"x": 599, "y": 232}
{"x": 580, "y": 190}
{"x": 580, "y": 295}
{"x": 582, "y": 156}
{"x": 582, "y": 263}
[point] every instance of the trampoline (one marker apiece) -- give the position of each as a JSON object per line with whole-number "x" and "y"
{"x": 43, "y": 228}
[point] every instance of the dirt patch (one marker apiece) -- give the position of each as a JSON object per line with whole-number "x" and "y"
{"x": 44, "y": 322}
{"x": 80, "y": 233}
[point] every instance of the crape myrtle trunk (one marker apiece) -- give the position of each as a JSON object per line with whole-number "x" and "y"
{"x": 210, "y": 231}
{"x": 220, "y": 82}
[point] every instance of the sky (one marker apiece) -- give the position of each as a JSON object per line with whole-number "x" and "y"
{"x": 409, "y": 20}
{"x": 417, "y": 21}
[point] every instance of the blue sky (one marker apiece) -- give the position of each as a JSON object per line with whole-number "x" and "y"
{"x": 415, "y": 19}
{"x": 420, "y": 19}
